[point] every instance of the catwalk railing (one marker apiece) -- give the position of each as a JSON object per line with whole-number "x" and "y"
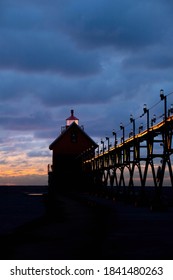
{"x": 142, "y": 158}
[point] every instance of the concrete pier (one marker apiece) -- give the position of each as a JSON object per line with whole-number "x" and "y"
{"x": 80, "y": 226}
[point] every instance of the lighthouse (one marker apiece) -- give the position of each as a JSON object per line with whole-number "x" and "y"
{"x": 66, "y": 172}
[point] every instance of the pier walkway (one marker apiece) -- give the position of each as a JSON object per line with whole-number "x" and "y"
{"x": 82, "y": 227}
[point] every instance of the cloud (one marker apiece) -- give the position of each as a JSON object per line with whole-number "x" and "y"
{"x": 118, "y": 24}
{"x": 39, "y": 154}
{"x": 40, "y": 52}
{"x": 3, "y": 162}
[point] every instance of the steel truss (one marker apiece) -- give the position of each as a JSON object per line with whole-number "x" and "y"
{"x": 149, "y": 152}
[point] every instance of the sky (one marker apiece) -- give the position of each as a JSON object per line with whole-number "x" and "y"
{"x": 104, "y": 59}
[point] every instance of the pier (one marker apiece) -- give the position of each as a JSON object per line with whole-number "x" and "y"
{"x": 142, "y": 158}
{"x": 82, "y": 226}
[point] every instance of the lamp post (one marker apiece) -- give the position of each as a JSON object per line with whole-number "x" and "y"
{"x": 146, "y": 111}
{"x": 98, "y": 151}
{"x": 165, "y": 143}
{"x": 122, "y": 141}
{"x": 170, "y": 111}
{"x": 107, "y": 138}
{"x": 153, "y": 120}
{"x": 115, "y": 137}
{"x": 122, "y": 128}
{"x": 131, "y": 133}
{"x": 140, "y": 127}
{"x": 164, "y": 98}
{"x": 132, "y": 120}
{"x": 102, "y": 142}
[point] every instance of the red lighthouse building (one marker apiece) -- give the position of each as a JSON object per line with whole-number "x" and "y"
{"x": 67, "y": 149}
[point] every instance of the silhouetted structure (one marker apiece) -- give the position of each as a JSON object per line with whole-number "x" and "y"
{"x": 66, "y": 172}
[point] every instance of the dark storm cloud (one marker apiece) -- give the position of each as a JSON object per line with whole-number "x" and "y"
{"x": 33, "y": 122}
{"x": 52, "y": 90}
{"x": 39, "y": 38}
{"x": 156, "y": 59}
{"x": 92, "y": 91}
{"x": 121, "y": 24}
{"x": 44, "y": 52}
{"x": 27, "y": 44}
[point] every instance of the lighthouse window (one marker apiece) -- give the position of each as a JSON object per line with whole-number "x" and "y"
{"x": 73, "y": 137}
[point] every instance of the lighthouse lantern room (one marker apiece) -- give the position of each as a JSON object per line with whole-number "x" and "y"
{"x": 71, "y": 119}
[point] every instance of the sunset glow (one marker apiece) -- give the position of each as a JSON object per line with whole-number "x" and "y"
{"x": 19, "y": 167}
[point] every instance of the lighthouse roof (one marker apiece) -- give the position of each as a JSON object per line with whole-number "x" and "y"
{"x": 73, "y": 127}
